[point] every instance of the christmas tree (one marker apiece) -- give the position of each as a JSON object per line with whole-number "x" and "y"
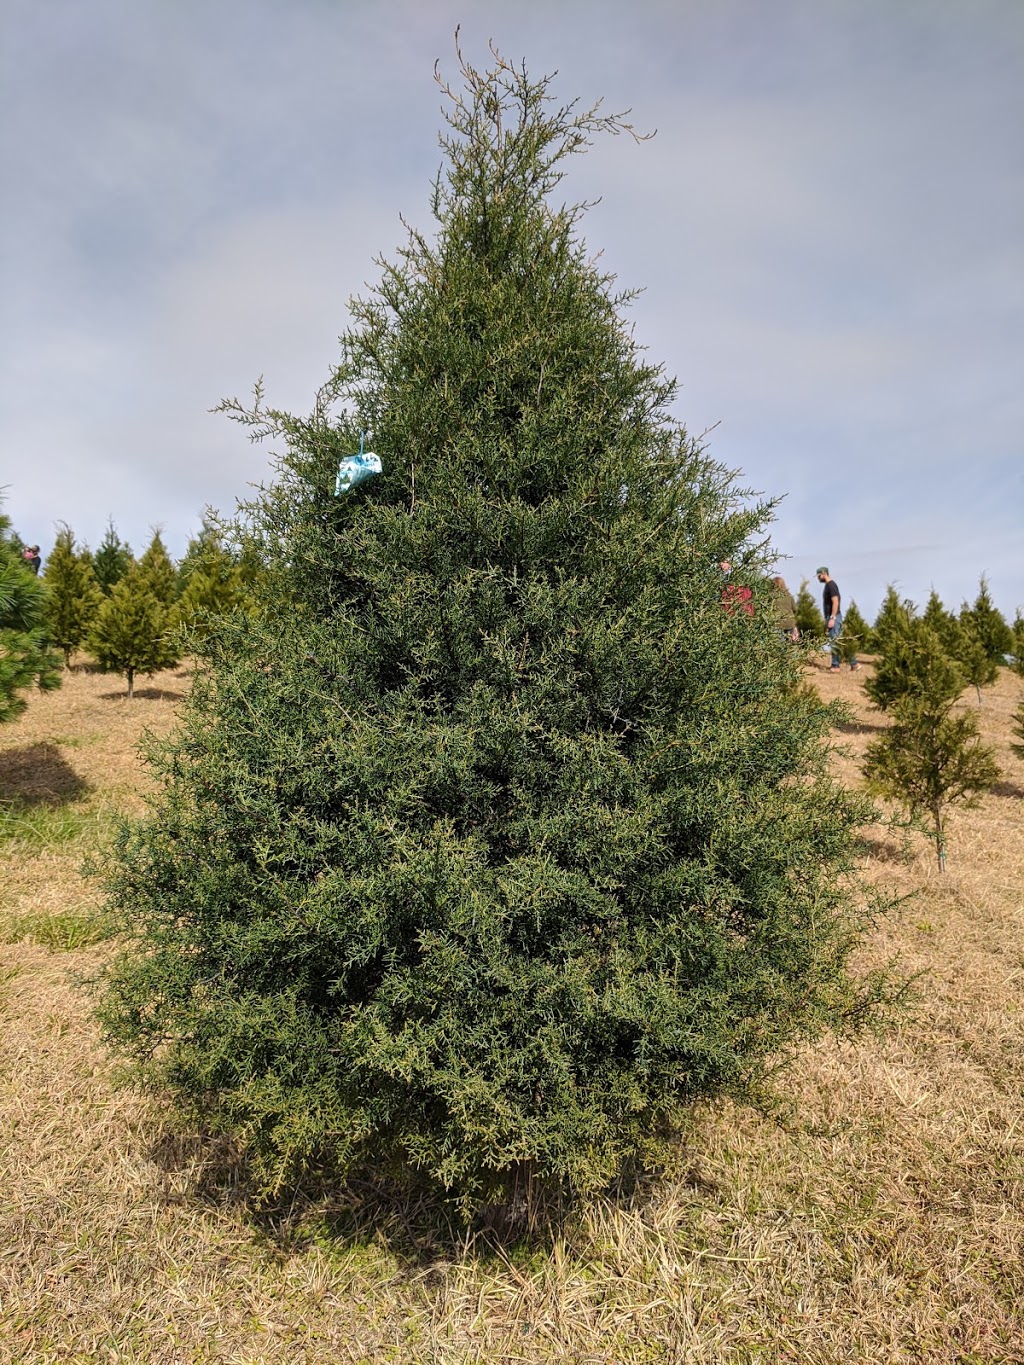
{"x": 25, "y": 658}
{"x": 134, "y": 632}
{"x": 493, "y": 840}
{"x": 112, "y": 560}
{"x": 73, "y": 595}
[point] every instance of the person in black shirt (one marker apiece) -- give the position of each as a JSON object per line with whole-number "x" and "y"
{"x": 832, "y": 606}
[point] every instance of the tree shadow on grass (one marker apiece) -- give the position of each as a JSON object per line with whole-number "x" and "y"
{"x": 394, "y": 1212}
{"x": 858, "y": 727}
{"x": 39, "y": 775}
{"x": 1007, "y": 789}
{"x": 145, "y": 694}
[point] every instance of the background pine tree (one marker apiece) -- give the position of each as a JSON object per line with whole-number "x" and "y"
{"x": 856, "y": 636}
{"x": 1018, "y": 643}
{"x": 157, "y": 569}
{"x": 25, "y": 659}
{"x": 1018, "y": 729}
{"x": 214, "y": 582}
{"x": 73, "y": 596}
{"x": 929, "y": 758}
{"x": 988, "y": 624}
{"x": 893, "y": 616}
{"x": 112, "y": 559}
{"x": 494, "y": 840}
{"x": 134, "y": 632}
{"x": 809, "y": 619}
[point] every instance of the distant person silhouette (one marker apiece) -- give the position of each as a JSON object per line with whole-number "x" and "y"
{"x": 31, "y": 557}
{"x": 832, "y": 606}
{"x": 785, "y": 608}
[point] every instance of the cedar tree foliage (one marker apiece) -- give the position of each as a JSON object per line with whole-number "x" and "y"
{"x": 491, "y": 841}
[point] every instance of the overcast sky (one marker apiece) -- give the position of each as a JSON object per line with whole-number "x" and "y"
{"x": 828, "y": 227}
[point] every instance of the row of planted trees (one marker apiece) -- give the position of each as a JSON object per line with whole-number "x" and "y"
{"x": 133, "y": 614}
{"x": 931, "y": 755}
{"x": 978, "y": 637}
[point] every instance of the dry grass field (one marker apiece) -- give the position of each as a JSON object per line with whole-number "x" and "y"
{"x": 880, "y": 1219}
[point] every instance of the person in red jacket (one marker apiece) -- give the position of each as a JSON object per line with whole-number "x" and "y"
{"x": 735, "y": 594}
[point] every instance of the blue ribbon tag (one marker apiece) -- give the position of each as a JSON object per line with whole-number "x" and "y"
{"x": 356, "y": 469}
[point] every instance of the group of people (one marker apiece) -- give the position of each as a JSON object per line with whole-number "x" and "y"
{"x": 741, "y": 596}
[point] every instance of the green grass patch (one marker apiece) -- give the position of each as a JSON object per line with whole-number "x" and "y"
{"x": 26, "y": 827}
{"x": 62, "y": 932}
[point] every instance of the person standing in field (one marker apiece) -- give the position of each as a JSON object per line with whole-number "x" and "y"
{"x": 784, "y": 608}
{"x": 832, "y": 606}
{"x": 735, "y": 594}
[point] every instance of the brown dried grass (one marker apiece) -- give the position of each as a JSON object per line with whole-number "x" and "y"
{"x": 882, "y": 1221}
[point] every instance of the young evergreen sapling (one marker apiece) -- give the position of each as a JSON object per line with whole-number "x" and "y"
{"x": 929, "y": 758}
{"x": 112, "y": 560}
{"x": 134, "y": 632}
{"x": 157, "y": 569}
{"x": 25, "y": 657}
{"x": 73, "y": 596}
{"x": 989, "y": 624}
{"x": 493, "y": 841}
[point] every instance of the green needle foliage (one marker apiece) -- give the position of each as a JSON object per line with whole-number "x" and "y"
{"x": 134, "y": 632}
{"x": 809, "y": 619}
{"x": 988, "y": 624}
{"x": 494, "y": 840}
{"x": 25, "y": 658}
{"x": 156, "y": 569}
{"x": 929, "y": 758}
{"x": 1018, "y": 729}
{"x": 1018, "y": 643}
{"x": 214, "y": 583}
{"x": 73, "y": 596}
{"x": 856, "y": 636}
{"x": 112, "y": 560}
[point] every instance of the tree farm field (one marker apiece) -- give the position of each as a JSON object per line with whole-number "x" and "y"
{"x": 877, "y": 1216}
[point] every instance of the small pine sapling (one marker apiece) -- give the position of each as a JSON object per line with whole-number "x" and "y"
{"x": 929, "y": 758}
{"x": 157, "y": 569}
{"x": 1018, "y": 729}
{"x": 809, "y": 620}
{"x": 893, "y": 616}
{"x": 134, "y": 632}
{"x": 1018, "y": 643}
{"x": 25, "y": 657}
{"x": 856, "y": 635}
{"x": 989, "y": 624}
{"x": 73, "y": 596}
{"x": 112, "y": 559}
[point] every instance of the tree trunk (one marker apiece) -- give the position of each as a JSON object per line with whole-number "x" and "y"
{"x": 940, "y": 837}
{"x": 131, "y": 683}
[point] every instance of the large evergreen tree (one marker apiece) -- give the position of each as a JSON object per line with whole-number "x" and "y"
{"x": 494, "y": 840}
{"x": 73, "y": 596}
{"x": 25, "y": 658}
